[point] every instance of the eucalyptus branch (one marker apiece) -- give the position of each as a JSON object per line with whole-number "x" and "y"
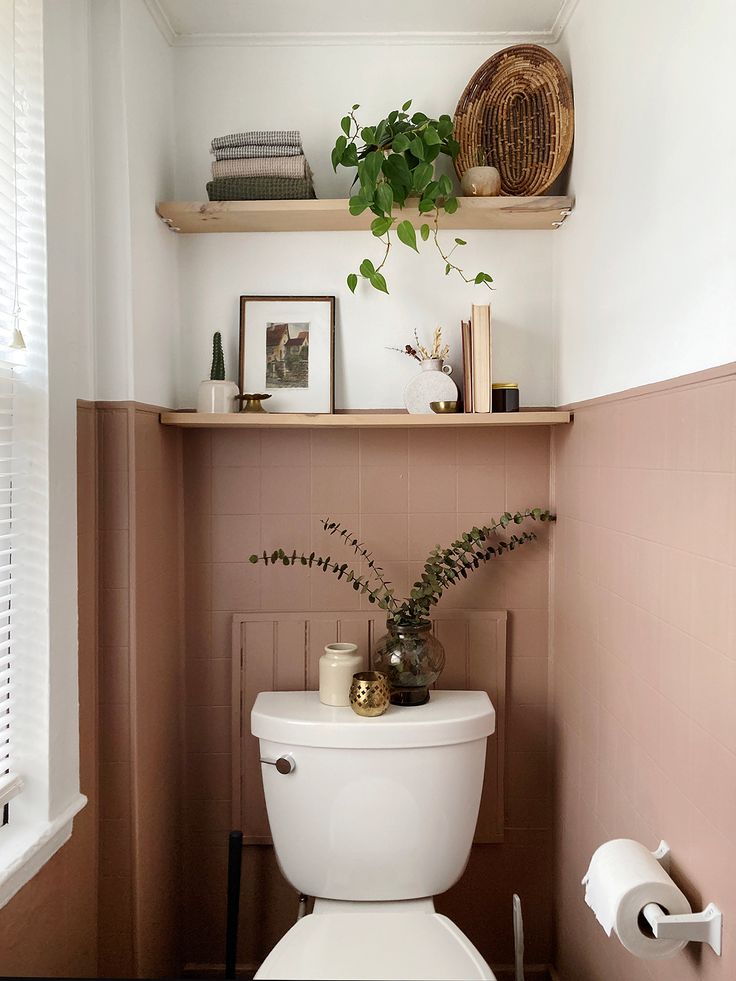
{"x": 383, "y": 598}
{"x": 444, "y": 567}
{"x": 375, "y": 570}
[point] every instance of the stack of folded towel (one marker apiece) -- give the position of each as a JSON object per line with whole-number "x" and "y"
{"x": 259, "y": 165}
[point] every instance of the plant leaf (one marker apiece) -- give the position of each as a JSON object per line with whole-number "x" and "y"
{"x": 384, "y": 198}
{"x": 357, "y": 205}
{"x": 345, "y": 125}
{"x": 378, "y": 282}
{"x": 367, "y": 268}
{"x": 352, "y": 282}
{"x": 424, "y": 231}
{"x": 407, "y": 235}
{"x": 372, "y": 165}
{"x": 379, "y": 226}
{"x": 350, "y": 156}
{"x": 417, "y": 148}
{"x": 451, "y": 206}
{"x": 406, "y": 106}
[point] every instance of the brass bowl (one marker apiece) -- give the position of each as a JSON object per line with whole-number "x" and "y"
{"x": 252, "y": 403}
{"x": 441, "y": 407}
{"x": 370, "y": 693}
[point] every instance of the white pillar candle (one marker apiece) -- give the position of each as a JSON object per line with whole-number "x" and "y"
{"x": 337, "y": 666}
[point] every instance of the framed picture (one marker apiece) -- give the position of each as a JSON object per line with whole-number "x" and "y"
{"x": 287, "y": 350}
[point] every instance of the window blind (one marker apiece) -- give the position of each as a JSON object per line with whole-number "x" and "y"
{"x": 23, "y": 397}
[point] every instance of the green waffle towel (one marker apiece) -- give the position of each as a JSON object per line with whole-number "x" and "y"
{"x": 260, "y": 189}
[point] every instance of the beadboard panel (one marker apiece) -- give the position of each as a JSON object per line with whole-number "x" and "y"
{"x": 280, "y": 652}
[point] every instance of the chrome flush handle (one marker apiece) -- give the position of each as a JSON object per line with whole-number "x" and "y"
{"x": 284, "y": 764}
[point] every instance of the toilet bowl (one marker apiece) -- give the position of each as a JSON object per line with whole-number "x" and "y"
{"x": 373, "y": 817}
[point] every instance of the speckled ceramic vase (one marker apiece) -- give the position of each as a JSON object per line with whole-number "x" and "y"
{"x": 430, "y": 384}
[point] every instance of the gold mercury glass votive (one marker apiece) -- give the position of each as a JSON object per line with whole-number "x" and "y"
{"x": 370, "y": 693}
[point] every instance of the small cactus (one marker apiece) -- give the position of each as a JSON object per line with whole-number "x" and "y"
{"x": 217, "y": 371}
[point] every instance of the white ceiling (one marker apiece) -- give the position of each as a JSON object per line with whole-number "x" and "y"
{"x": 186, "y": 22}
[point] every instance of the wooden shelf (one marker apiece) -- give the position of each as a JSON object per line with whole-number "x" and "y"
{"x": 360, "y": 420}
{"x": 332, "y": 215}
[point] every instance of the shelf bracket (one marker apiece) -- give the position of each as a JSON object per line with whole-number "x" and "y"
{"x": 564, "y": 215}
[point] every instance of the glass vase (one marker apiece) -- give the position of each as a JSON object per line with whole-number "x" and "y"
{"x": 412, "y": 658}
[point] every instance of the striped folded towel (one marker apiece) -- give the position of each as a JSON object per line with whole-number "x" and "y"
{"x": 260, "y": 189}
{"x": 261, "y": 167}
{"x": 259, "y": 137}
{"x": 258, "y": 150}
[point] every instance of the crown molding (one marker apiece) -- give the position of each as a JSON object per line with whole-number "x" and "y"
{"x": 342, "y": 38}
{"x": 161, "y": 21}
{"x": 567, "y": 9}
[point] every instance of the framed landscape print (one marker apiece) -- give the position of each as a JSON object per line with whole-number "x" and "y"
{"x": 287, "y": 351}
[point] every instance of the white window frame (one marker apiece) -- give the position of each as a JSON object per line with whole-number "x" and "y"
{"x": 44, "y": 722}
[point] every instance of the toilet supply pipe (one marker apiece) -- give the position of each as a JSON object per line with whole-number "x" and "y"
{"x": 234, "y": 867}
{"x": 518, "y": 940}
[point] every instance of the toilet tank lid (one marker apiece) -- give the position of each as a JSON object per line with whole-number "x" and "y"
{"x": 298, "y": 718}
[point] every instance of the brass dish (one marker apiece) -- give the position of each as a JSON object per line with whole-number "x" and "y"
{"x": 252, "y": 403}
{"x": 442, "y": 407}
{"x": 370, "y": 693}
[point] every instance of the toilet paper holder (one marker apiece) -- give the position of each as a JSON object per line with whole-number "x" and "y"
{"x": 704, "y": 928}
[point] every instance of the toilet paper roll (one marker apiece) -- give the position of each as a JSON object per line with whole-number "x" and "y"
{"x": 623, "y": 877}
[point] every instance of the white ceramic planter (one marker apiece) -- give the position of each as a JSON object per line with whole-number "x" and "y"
{"x": 217, "y": 396}
{"x": 430, "y": 384}
{"x": 481, "y": 182}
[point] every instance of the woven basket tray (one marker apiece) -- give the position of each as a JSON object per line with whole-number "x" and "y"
{"x": 517, "y": 112}
{"x": 260, "y": 189}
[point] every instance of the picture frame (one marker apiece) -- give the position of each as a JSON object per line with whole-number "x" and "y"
{"x": 287, "y": 351}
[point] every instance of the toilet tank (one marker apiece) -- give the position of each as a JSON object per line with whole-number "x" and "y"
{"x": 373, "y": 809}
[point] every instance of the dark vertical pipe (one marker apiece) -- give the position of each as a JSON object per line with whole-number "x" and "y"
{"x": 234, "y": 865}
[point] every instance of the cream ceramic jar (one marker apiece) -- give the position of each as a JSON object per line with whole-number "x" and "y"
{"x": 337, "y": 666}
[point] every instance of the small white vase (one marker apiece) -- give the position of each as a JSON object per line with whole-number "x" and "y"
{"x": 430, "y": 384}
{"x": 337, "y": 666}
{"x": 481, "y": 182}
{"x": 217, "y": 396}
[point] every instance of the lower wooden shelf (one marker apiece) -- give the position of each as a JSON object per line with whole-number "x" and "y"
{"x": 361, "y": 420}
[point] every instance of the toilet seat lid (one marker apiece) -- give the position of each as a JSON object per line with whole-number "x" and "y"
{"x": 385, "y": 946}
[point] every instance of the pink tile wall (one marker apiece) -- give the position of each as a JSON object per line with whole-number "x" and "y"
{"x": 141, "y": 680}
{"x": 644, "y": 659}
{"x": 403, "y": 492}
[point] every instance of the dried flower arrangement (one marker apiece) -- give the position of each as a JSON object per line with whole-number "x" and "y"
{"x": 438, "y": 351}
{"x": 443, "y": 568}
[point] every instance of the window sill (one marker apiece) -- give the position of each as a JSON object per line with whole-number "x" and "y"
{"x": 25, "y": 849}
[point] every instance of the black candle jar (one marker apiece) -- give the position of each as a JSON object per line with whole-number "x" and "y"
{"x": 505, "y": 397}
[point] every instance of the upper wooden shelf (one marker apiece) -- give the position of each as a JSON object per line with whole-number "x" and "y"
{"x": 353, "y": 420}
{"x": 332, "y": 215}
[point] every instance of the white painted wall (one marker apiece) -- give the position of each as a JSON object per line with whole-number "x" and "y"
{"x": 136, "y": 297}
{"x": 148, "y": 84}
{"x": 645, "y": 264}
{"x": 71, "y": 368}
{"x": 225, "y": 89}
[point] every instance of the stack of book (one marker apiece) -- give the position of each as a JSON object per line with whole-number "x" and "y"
{"x": 477, "y": 360}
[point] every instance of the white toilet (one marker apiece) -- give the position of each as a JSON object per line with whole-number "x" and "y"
{"x": 373, "y": 817}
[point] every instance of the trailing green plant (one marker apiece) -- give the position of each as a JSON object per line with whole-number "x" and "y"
{"x": 444, "y": 567}
{"x": 395, "y": 161}
{"x": 217, "y": 371}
